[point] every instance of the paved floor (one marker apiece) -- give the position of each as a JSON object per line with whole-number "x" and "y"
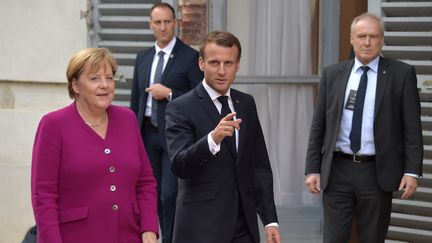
{"x": 299, "y": 224}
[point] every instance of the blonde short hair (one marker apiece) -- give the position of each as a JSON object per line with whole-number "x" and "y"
{"x": 94, "y": 57}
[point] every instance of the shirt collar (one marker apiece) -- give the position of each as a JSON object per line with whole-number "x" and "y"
{"x": 373, "y": 65}
{"x": 167, "y": 49}
{"x": 213, "y": 93}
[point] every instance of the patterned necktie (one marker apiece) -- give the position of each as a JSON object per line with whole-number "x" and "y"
{"x": 225, "y": 111}
{"x": 157, "y": 79}
{"x": 356, "y": 126}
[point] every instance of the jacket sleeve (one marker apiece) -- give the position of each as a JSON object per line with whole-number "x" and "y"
{"x": 317, "y": 132}
{"x": 44, "y": 179}
{"x": 412, "y": 130}
{"x": 187, "y": 153}
{"x": 146, "y": 187}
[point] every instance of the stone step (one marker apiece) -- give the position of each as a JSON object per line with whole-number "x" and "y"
{"x": 408, "y": 23}
{"x": 126, "y": 35}
{"x": 130, "y": 1}
{"x": 128, "y": 22}
{"x": 421, "y": 67}
{"x": 427, "y": 166}
{"x": 395, "y": 241}
{"x": 125, "y": 58}
{"x": 426, "y": 109}
{"x": 408, "y": 52}
{"x": 125, "y": 9}
{"x": 126, "y": 46}
{"x": 122, "y": 94}
{"x": 409, "y": 234}
{"x": 426, "y": 123}
{"x": 427, "y": 137}
{"x": 426, "y": 180}
{"x": 426, "y": 96}
{"x": 427, "y": 151}
{"x": 121, "y": 103}
{"x": 420, "y": 208}
{"x": 409, "y": 38}
{"x": 411, "y": 221}
{"x": 127, "y": 71}
{"x": 400, "y": 9}
{"x": 424, "y": 82}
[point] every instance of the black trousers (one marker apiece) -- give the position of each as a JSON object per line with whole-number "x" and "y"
{"x": 353, "y": 190}
{"x": 242, "y": 234}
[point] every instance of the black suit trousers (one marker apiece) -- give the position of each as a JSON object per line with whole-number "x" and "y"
{"x": 353, "y": 190}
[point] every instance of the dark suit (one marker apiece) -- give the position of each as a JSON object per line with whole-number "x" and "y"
{"x": 396, "y": 128}
{"x": 181, "y": 74}
{"x": 213, "y": 188}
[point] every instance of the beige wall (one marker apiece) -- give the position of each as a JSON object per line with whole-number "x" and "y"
{"x": 37, "y": 39}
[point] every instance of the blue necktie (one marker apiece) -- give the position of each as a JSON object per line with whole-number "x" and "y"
{"x": 355, "y": 135}
{"x": 157, "y": 79}
{"x": 225, "y": 111}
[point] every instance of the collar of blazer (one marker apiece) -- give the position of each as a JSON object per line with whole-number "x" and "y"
{"x": 382, "y": 81}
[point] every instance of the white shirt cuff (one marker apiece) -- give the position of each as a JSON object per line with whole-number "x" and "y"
{"x": 213, "y": 147}
{"x": 272, "y": 224}
{"x": 413, "y": 175}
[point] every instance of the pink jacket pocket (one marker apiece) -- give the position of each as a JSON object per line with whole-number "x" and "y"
{"x": 73, "y": 214}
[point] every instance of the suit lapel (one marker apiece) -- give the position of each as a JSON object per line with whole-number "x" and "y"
{"x": 382, "y": 81}
{"x": 207, "y": 104}
{"x": 145, "y": 69}
{"x": 172, "y": 57}
{"x": 241, "y": 114}
{"x": 341, "y": 86}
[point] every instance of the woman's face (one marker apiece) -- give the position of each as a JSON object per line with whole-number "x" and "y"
{"x": 94, "y": 88}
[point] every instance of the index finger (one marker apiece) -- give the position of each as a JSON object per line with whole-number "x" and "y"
{"x": 229, "y": 117}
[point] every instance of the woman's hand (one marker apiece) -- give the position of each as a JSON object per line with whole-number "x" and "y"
{"x": 149, "y": 237}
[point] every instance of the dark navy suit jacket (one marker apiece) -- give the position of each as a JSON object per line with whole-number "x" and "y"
{"x": 211, "y": 187}
{"x": 181, "y": 74}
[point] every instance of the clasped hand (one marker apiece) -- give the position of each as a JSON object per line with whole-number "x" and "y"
{"x": 158, "y": 91}
{"x": 226, "y": 127}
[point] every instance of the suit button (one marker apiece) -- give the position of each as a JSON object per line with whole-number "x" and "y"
{"x": 236, "y": 192}
{"x": 112, "y": 188}
{"x": 115, "y": 207}
{"x": 107, "y": 151}
{"x": 112, "y": 169}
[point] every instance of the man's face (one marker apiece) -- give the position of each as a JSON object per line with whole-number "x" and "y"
{"x": 366, "y": 39}
{"x": 162, "y": 23}
{"x": 220, "y": 66}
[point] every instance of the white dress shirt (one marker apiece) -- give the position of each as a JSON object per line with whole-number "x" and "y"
{"x": 215, "y": 148}
{"x": 367, "y": 134}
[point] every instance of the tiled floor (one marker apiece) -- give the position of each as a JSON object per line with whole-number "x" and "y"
{"x": 298, "y": 225}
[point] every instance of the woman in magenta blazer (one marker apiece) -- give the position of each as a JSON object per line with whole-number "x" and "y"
{"x": 91, "y": 178}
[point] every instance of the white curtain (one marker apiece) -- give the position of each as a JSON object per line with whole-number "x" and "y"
{"x": 280, "y": 43}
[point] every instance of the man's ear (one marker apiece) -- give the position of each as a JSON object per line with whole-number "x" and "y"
{"x": 201, "y": 63}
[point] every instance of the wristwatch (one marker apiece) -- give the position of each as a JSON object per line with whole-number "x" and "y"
{"x": 169, "y": 97}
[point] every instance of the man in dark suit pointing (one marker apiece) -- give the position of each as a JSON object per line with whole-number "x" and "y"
{"x": 366, "y": 137}
{"x": 162, "y": 73}
{"x": 217, "y": 149}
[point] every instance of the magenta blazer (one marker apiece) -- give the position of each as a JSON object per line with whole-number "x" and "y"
{"x": 87, "y": 189}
